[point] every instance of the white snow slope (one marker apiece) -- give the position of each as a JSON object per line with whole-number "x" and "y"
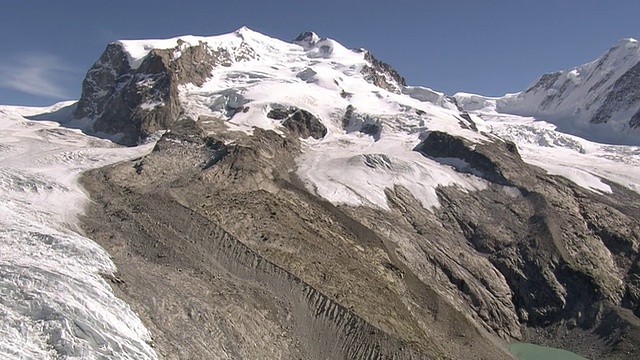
{"x": 54, "y": 304}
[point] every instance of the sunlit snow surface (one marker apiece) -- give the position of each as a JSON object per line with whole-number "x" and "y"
{"x": 584, "y": 162}
{"x": 54, "y": 303}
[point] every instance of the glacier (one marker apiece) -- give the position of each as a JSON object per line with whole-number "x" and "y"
{"x": 55, "y": 300}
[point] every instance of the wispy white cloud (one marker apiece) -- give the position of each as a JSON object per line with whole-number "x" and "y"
{"x": 38, "y": 74}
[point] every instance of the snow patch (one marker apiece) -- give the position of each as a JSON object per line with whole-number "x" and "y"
{"x": 574, "y": 76}
{"x": 355, "y": 171}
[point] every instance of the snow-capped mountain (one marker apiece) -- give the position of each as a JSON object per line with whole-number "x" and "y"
{"x": 599, "y": 100}
{"x": 303, "y": 201}
{"x": 139, "y": 79}
{"x": 141, "y": 86}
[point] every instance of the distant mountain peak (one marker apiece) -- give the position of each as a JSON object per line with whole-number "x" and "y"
{"x": 599, "y": 100}
{"x": 243, "y": 29}
{"x": 626, "y": 41}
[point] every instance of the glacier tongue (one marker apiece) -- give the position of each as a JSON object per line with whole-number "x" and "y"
{"x": 55, "y": 302}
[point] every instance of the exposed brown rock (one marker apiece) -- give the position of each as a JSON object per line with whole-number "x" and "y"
{"x": 137, "y": 102}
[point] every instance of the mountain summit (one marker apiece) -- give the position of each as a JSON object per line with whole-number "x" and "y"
{"x": 133, "y": 89}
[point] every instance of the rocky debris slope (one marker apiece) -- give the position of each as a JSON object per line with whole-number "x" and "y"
{"x": 567, "y": 255}
{"x": 532, "y": 257}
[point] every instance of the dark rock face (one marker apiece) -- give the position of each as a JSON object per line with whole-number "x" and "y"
{"x": 635, "y": 120}
{"x": 280, "y": 113}
{"x": 305, "y": 125}
{"x": 138, "y": 101}
{"x": 305, "y": 37}
{"x": 100, "y": 82}
{"x": 299, "y": 121}
{"x": 382, "y": 74}
{"x": 624, "y": 94}
{"x": 545, "y": 82}
{"x": 568, "y": 256}
{"x": 442, "y": 145}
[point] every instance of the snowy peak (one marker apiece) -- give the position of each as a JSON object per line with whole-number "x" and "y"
{"x": 583, "y": 91}
{"x": 627, "y": 42}
{"x": 244, "y": 30}
{"x": 235, "y": 44}
{"x": 141, "y": 86}
{"x": 602, "y": 92}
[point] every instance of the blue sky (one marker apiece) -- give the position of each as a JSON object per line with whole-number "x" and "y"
{"x": 487, "y": 47}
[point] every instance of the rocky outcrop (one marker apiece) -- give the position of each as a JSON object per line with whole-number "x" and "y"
{"x": 442, "y": 145}
{"x": 306, "y": 38}
{"x": 299, "y": 121}
{"x": 138, "y": 101}
{"x": 366, "y": 124}
{"x": 545, "y": 82}
{"x": 382, "y": 74}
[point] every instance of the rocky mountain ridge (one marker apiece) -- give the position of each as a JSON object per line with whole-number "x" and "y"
{"x": 406, "y": 216}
